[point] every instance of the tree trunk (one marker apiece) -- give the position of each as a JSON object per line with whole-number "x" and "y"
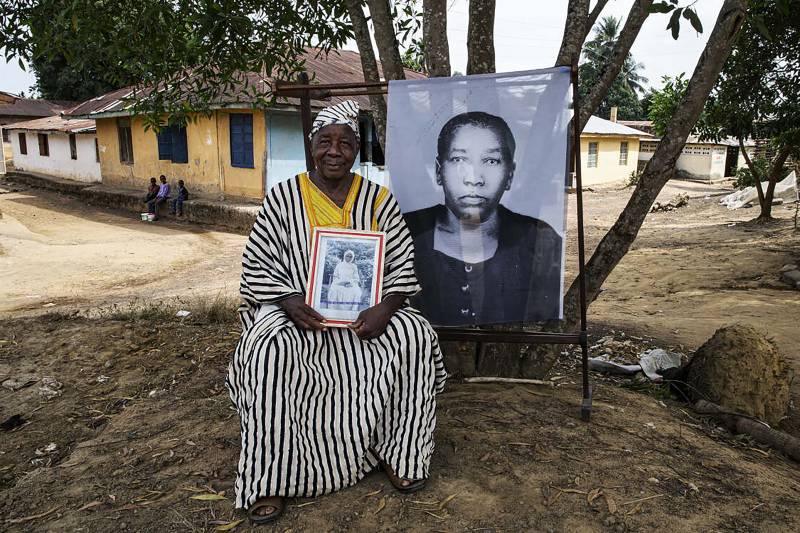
{"x": 575, "y": 31}
{"x": 385, "y": 38}
{"x": 772, "y": 180}
{"x": 633, "y": 24}
{"x": 434, "y": 38}
{"x": 615, "y": 243}
{"x": 754, "y": 172}
{"x": 480, "y": 37}
{"x": 368, "y": 65}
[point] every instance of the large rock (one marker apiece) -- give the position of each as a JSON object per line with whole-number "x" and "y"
{"x": 739, "y": 368}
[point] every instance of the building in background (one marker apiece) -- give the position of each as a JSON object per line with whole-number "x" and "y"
{"x": 609, "y": 151}
{"x": 15, "y": 109}
{"x": 56, "y": 147}
{"x": 240, "y": 150}
{"x": 699, "y": 160}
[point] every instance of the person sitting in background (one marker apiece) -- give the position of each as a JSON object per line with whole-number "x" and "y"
{"x": 176, "y": 206}
{"x": 152, "y": 191}
{"x": 161, "y": 197}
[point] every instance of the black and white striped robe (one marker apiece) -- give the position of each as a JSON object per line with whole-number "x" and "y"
{"x": 312, "y": 403}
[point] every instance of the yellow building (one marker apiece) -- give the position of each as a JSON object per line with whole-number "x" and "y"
{"x": 199, "y": 153}
{"x": 609, "y": 151}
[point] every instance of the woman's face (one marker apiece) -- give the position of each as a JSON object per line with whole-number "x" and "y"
{"x": 334, "y": 150}
{"x": 348, "y": 257}
{"x": 474, "y": 173}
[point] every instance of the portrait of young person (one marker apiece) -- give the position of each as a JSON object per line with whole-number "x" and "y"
{"x": 485, "y": 204}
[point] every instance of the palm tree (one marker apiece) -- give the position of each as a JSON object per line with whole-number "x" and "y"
{"x": 597, "y": 53}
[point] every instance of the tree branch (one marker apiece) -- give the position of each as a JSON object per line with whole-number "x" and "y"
{"x": 434, "y": 38}
{"x": 615, "y": 244}
{"x": 369, "y": 65}
{"x": 775, "y": 171}
{"x": 574, "y": 33}
{"x": 754, "y": 172}
{"x": 633, "y": 24}
{"x": 480, "y": 37}
{"x": 596, "y": 10}
{"x": 385, "y": 38}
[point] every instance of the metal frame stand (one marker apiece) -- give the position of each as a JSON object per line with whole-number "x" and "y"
{"x": 306, "y": 92}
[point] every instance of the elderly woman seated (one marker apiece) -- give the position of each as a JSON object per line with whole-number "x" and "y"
{"x": 321, "y": 407}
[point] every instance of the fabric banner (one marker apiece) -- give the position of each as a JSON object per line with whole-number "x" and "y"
{"x": 479, "y": 166}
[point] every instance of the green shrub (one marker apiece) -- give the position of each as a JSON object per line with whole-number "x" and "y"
{"x": 633, "y": 179}
{"x": 744, "y": 176}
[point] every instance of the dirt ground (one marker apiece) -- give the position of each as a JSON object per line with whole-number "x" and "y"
{"x": 141, "y": 424}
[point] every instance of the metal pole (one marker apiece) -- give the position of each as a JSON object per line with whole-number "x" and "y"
{"x": 305, "y": 115}
{"x": 586, "y": 404}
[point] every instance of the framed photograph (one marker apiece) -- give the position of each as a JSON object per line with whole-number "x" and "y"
{"x": 346, "y": 273}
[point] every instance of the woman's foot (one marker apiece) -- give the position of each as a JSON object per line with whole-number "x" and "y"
{"x": 266, "y": 510}
{"x": 402, "y": 484}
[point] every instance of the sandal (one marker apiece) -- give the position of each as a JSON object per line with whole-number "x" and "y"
{"x": 413, "y": 484}
{"x": 276, "y": 502}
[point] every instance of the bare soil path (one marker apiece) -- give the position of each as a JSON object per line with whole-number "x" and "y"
{"x": 142, "y": 422}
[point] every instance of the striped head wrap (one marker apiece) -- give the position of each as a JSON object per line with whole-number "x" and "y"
{"x": 344, "y": 113}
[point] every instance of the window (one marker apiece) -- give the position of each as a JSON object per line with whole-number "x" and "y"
{"x": 44, "y": 145}
{"x": 96, "y": 150}
{"x": 125, "y": 141}
{"x": 73, "y": 146}
{"x": 23, "y": 144}
{"x": 241, "y": 132}
{"x": 172, "y": 144}
{"x": 591, "y": 162}
{"x": 623, "y": 153}
{"x": 5, "y": 135}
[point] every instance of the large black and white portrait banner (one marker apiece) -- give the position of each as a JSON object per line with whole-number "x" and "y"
{"x": 479, "y": 167}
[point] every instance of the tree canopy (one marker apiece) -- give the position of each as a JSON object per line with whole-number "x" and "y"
{"x": 190, "y": 51}
{"x": 757, "y": 95}
{"x": 624, "y": 90}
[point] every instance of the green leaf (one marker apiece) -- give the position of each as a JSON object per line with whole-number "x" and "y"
{"x": 661, "y": 7}
{"x": 675, "y": 23}
{"x": 758, "y": 22}
{"x": 690, "y": 15}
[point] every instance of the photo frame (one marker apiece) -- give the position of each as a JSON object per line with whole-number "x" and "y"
{"x": 346, "y": 273}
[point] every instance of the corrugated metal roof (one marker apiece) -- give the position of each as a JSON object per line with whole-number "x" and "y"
{"x": 601, "y": 126}
{"x": 56, "y": 123}
{"x": 29, "y": 107}
{"x": 339, "y": 66}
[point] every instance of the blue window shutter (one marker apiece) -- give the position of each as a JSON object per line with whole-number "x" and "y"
{"x": 241, "y": 135}
{"x": 165, "y": 143}
{"x": 180, "y": 149}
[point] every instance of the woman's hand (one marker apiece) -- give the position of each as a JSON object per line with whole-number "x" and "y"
{"x": 372, "y": 322}
{"x": 303, "y": 315}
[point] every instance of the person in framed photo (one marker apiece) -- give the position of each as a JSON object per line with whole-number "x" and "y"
{"x": 319, "y": 406}
{"x": 477, "y": 261}
{"x": 345, "y": 289}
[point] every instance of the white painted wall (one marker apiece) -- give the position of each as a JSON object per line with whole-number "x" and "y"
{"x": 58, "y": 163}
{"x": 700, "y": 161}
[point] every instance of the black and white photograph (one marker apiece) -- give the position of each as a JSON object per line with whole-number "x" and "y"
{"x": 346, "y": 274}
{"x": 479, "y": 168}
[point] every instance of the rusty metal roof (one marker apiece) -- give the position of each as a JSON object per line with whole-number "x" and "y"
{"x": 339, "y": 66}
{"x": 30, "y": 107}
{"x": 55, "y": 124}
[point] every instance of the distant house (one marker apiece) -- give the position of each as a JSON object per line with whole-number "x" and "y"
{"x": 238, "y": 150}
{"x": 15, "y": 109}
{"x": 609, "y": 151}
{"x": 699, "y": 160}
{"x": 58, "y": 147}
